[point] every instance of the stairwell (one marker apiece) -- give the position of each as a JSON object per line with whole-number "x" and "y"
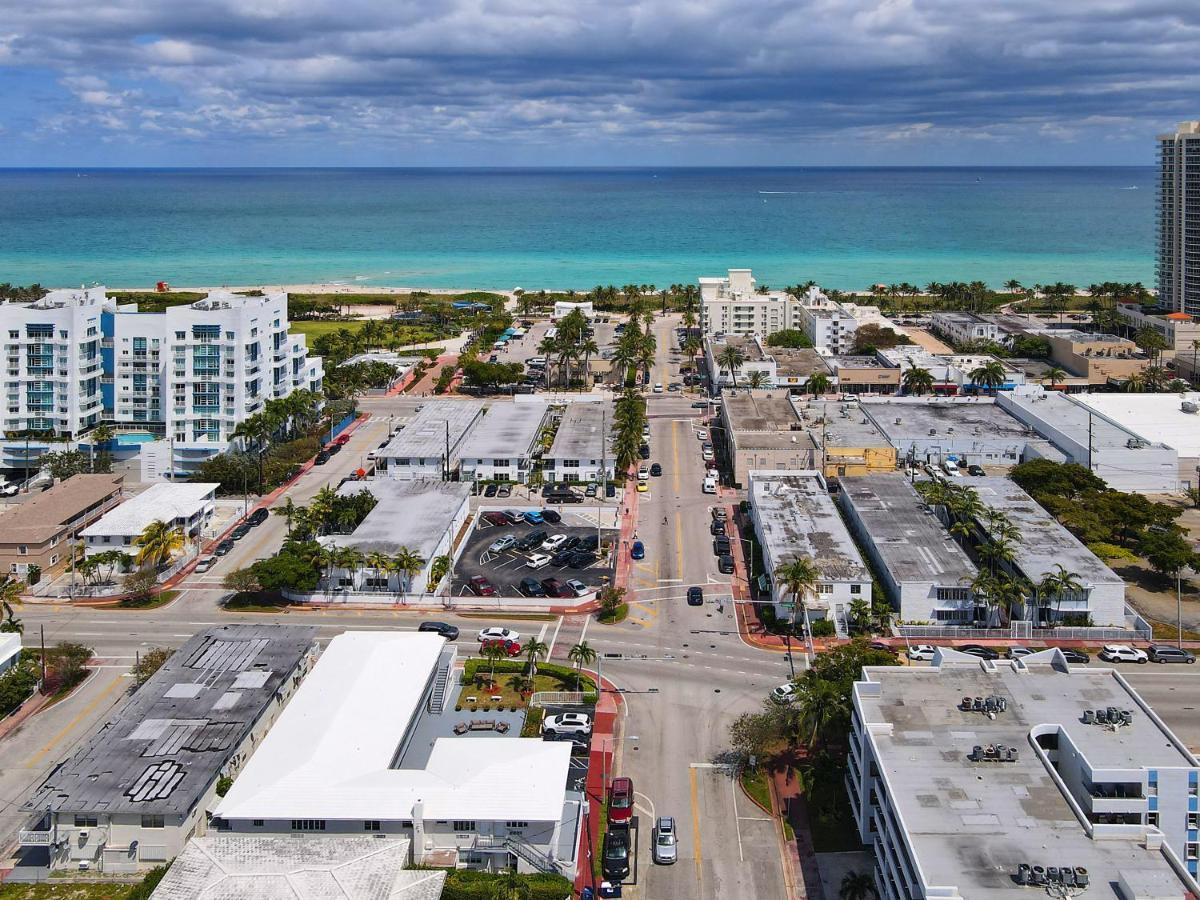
{"x": 441, "y": 683}
{"x": 531, "y": 855}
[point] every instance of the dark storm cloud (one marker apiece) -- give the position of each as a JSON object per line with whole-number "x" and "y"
{"x": 570, "y": 73}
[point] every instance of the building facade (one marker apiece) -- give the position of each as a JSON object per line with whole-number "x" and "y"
{"x": 188, "y": 506}
{"x": 964, "y": 327}
{"x": 1178, "y": 258}
{"x": 1179, "y": 329}
{"x": 503, "y": 444}
{"x": 733, "y": 305}
{"x": 42, "y": 531}
{"x": 428, "y": 446}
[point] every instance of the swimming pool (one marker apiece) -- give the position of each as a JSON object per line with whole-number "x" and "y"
{"x": 133, "y": 438}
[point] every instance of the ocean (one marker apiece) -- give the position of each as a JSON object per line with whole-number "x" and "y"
{"x": 845, "y": 228}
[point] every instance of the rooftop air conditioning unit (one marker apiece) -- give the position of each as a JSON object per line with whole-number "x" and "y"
{"x": 897, "y": 421}
{"x": 932, "y": 431}
{"x": 1189, "y": 407}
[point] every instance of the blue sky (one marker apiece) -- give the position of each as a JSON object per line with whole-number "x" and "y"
{"x": 594, "y": 82}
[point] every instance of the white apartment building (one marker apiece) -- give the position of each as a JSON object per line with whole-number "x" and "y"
{"x": 1031, "y": 797}
{"x": 795, "y": 517}
{"x": 583, "y": 445}
{"x": 826, "y": 323}
{"x": 188, "y": 506}
{"x": 1178, "y": 258}
{"x": 190, "y": 375}
{"x": 965, "y": 327}
{"x": 429, "y": 445}
{"x": 502, "y": 444}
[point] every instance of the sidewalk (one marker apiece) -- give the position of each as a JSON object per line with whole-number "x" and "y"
{"x": 600, "y": 765}
{"x": 787, "y": 801}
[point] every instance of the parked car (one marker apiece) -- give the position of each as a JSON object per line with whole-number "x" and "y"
{"x": 240, "y": 532}
{"x": 978, "y": 650}
{"x": 725, "y": 564}
{"x": 1123, "y": 653}
{"x": 721, "y": 545}
{"x": 539, "y": 561}
{"x": 707, "y": 454}
{"x": 489, "y": 491}
{"x": 578, "y": 588}
{"x": 531, "y": 541}
{"x": 555, "y": 588}
{"x": 591, "y": 489}
{"x": 567, "y": 723}
{"x": 643, "y": 487}
{"x": 1075, "y": 656}
{"x": 658, "y": 388}
{"x": 481, "y": 587}
{"x": 589, "y": 542}
{"x": 717, "y": 528}
{"x": 554, "y": 542}
{"x": 977, "y": 471}
{"x": 205, "y": 564}
{"x": 531, "y": 587}
{"x": 572, "y": 542}
{"x": 610, "y": 490}
{"x": 924, "y": 652}
{"x": 580, "y": 559}
{"x": 257, "y": 517}
{"x": 883, "y": 648}
{"x": 551, "y": 516}
{"x": 785, "y": 693}
{"x": 496, "y": 518}
{"x": 501, "y": 544}
{"x": 1165, "y": 653}
{"x": 620, "y": 801}
{"x": 695, "y": 596}
{"x": 514, "y": 516}
{"x": 615, "y": 864}
{"x": 709, "y": 485}
{"x": 10, "y": 489}
{"x": 511, "y": 648}
{"x": 637, "y": 551}
{"x": 719, "y": 513}
{"x": 341, "y": 440}
{"x": 449, "y": 632}
{"x": 321, "y": 458}
{"x": 666, "y": 844}
{"x": 655, "y": 470}
{"x": 643, "y": 473}
{"x": 1018, "y": 652}
{"x": 644, "y": 451}
{"x": 497, "y": 633}
{"x": 505, "y": 490}
{"x": 534, "y": 517}
{"x": 224, "y": 547}
{"x": 564, "y": 497}
{"x": 702, "y": 435}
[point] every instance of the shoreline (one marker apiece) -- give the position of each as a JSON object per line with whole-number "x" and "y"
{"x": 333, "y": 287}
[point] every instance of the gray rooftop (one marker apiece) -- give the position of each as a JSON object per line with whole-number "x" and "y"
{"x": 859, "y": 362}
{"x": 585, "y": 432}
{"x": 917, "y": 418}
{"x": 969, "y": 824}
{"x": 797, "y": 517}
{"x": 907, "y": 536}
{"x": 798, "y": 361}
{"x": 507, "y": 429}
{"x": 163, "y": 750}
{"x": 759, "y": 411}
{"x": 959, "y": 316}
{"x": 844, "y": 425}
{"x": 1043, "y": 543}
{"x": 1077, "y": 421}
{"x": 412, "y": 514}
{"x": 748, "y": 345}
{"x": 424, "y": 435}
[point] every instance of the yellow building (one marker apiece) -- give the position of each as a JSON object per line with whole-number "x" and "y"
{"x": 852, "y": 444}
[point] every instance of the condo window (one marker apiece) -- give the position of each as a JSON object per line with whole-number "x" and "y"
{"x": 856, "y": 588}
{"x": 153, "y": 822}
{"x": 464, "y": 825}
{"x": 308, "y": 824}
{"x": 86, "y": 821}
{"x": 257, "y": 823}
{"x": 371, "y": 825}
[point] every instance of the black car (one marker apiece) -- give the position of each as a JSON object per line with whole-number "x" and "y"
{"x": 616, "y": 854}
{"x": 321, "y": 458}
{"x": 489, "y": 491}
{"x": 644, "y": 451}
{"x": 695, "y": 596}
{"x": 1075, "y": 656}
{"x": 571, "y": 543}
{"x": 564, "y": 497}
{"x": 332, "y": 449}
{"x": 224, "y": 547}
{"x": 581, "y": 559}
{"x": 656, "y": 470}
{"x": 561, "y": 558}
{"x": 257, "y": 517}
{"x": 978, "y": 650}
{"x": 532, "y": 541}
{"x": 1164, "y": 653}
{"x": 699, "y": 404}
{"x": 590, "y": 543}
{"x": 717, "y": 528}
{"x": 610, "y": 490}
{"x": 531, "y": 587}
{"x": 240, "y": 532}
{"x": 725, "y": 564}
{"x": 975, "y": 470}
{"x": 551, "y": 516}
{"x": 721, "y": 546}
{"x": 449, "y": 632}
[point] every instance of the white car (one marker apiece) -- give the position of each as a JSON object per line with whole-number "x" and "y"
{"x": 206, "y": 563}
{"x": 538, "y": 561}
{"x": 567, "y": 723}
{"x": 658, "y": 387}
{"x": 921, "y": 652}
{"x": 1123, "y": 653}
{"x": 707, "y": 454}
{"x": 643, "y": 473}
{"x": 10, "y": 489}
{"x": 501, "y": 544}
{"x": 785, "y": 693}
{"x": 553, "y": 542}
{"x": 701, "y": 434}
{"x": 709, "y": 486}
{"x": 578, "y": 587}
{"x": 496, "y": 633}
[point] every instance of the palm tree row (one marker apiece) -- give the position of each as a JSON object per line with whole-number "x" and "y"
{"x": 282, "y": 417}
{"x": 570, "y": 351}
{"x": 629, "y": 420}
{"x": 327, "y": 512}
{"x": 634, "y": 352}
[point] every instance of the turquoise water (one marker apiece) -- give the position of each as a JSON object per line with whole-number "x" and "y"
{"x": 133, "y": 438}
{"x": 561, "y": 228}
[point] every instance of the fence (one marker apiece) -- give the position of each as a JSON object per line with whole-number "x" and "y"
{"x": 560, "y": 698}
{"x": 1136, "y": 628}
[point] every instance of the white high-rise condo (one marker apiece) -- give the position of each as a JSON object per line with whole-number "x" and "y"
{"x": 1179, "y": 219}
{"x": 76, "y": 359}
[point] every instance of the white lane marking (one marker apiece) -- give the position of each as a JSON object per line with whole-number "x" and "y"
{"x": 736, "y": 821}
{"x": 554, "y": 640}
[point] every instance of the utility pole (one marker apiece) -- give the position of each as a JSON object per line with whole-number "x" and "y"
{"x": 42, "y": 629}
{"x": 1178, "y": 610}
{"x": 1089, "y": 439}
{"x": 446, "y": 475}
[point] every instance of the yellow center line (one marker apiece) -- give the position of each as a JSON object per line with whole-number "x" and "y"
{"x": 33, "y": 760}
{"x": 675, "y": 454}
{"x": 696, "y": 830}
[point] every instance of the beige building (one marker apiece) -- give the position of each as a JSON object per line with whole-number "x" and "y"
{"x": 865, "y": 375}
{"x": 1097, "y": 357}
{"x": 1178, "y": 329}
{"x": 762, "y": 430}
{"x": 41, "y": 530}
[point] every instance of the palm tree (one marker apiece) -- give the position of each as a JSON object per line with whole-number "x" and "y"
{"x": 818, "y": 384}
{"x": 798, "y": 577}
{"x": 1053, "y": 376}
{"x": 582, "y": 655}
{"x": 822, "y": 707}
{"x": 10, "y": 596}
{"x": 157, "y": 543}
{"x": 535, "y": 650}
{"x": 758, "y": 379}
{"x": 408, "y": 562}
{"x": 732, "y": 359}
{"x": 511, "y": 886}
{"x": 288, "y": 510}
{"x": 917, "y": 380}
{"x": 257, "y": 430}
{"x": 989, "y": 376}
{"x": 493, "y": 652}
{"x": 382, "y": 564}
{"x": 859, "y": 885}
{"x": 1056, "y": 583}
{"x": 860, "y": 614}
{"x": 1012, "y": 286}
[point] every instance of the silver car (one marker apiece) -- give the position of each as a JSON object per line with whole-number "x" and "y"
{"x": 666, "y": 846}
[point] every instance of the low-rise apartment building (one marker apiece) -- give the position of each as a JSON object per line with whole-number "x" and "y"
{"x": 1178, "y": 329}
{"x": 851, "y": 444}
{"x": 1104, "y": 359}
{"x": 763, "y": 366}
{"x": 971, "y": 779}
{"x": 146, "y": 780}
{"x": 429, "y": 445}
{"x": 10, "y": 650}
{"x": 44, "y": 528}
{"x": 965, "y": 328}
{"x": 369, "y": 744}
{"x": 826, "y": 323}
{"x": 865, "y": 374}
{"x": 583, "y": 445}
{"x": 926, "y": 574}
{"x": 502, "y": 445}
{"x": 763, "y": 430}
{"x": 795, "y": 517}
{"x": 188, "y": 506}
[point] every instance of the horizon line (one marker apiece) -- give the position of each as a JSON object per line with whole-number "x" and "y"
{"x": 626, "y": 168}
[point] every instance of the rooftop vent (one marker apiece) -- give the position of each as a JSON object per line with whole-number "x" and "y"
{"x": 1189, "y": 407}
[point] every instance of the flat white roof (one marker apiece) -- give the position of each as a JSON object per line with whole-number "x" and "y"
{"x": 1155, "y": 417}
{"x": 160, "y": 502}
{"x": 330, "y": 753}
{"x": 507, "y": 430}
{"x": 10, "y": 645}
{"x": 412, "y": 514}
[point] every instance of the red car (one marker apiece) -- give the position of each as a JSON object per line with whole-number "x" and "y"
{"x": 496, "y": 518}
{"x": 512, "y": 648}
{"x": 342, "y": 440}
{"x": 620, "y": 801}
{"x": 555, "y": 588}
{"x": 481, "y": 587}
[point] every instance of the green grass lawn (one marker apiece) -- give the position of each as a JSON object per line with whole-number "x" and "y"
{"x": 159, "y": 599}
{"x": 618, "y": 615}
{"x": 755, "y": 783}
{"x": 318, "y": 327}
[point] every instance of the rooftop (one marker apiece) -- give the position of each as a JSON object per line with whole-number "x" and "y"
{"x": 412, "y": 514}
{"x": 922, "y": 418}
{"x": 160, "y": 753}
{"x": 970, "y": 825}
{"x": 164, "y": 502}
{"x": 841, "y": 424}
{"x": 799, "y": 361}
{"x": 332, "y": 752}
{"x": 1043, "y": 543}
{"x": 296, "y": 867}
{"x": 1160, "y": 415}
{"x": 960, "y": 316}
{"x": 759, "y": 411}
{"x": 1088, "y": 422}
{"x": 857, "y": 362}
{"x": 751, "y": 349}
{"x": 907, "y": 536}
{"x": 1075, "y": 336}
{"x": 585, "y": 432}
{"x": 797, "y": 518}
{"x": 425, "y": 436}
{"x": 506, "y": 429}
{"x": 43, "y": 515}
{"x": 400, "y": 363}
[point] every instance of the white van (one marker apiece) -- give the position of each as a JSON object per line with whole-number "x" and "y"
{"x": 951, "y": 469}
{"x": 710, "y": 485}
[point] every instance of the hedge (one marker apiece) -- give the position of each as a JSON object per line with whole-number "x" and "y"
{"x": 471, "y": 884}
{"x": 564, "y": 673}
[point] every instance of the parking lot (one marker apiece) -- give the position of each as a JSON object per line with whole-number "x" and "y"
{"x": 506, "y": 568}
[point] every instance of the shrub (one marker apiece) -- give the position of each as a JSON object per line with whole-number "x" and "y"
{"x": 151, "y": 661}
{"x": 15, "y": 687}
{"x": 471, "y": 884}
{"x": 823, "y": 628}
